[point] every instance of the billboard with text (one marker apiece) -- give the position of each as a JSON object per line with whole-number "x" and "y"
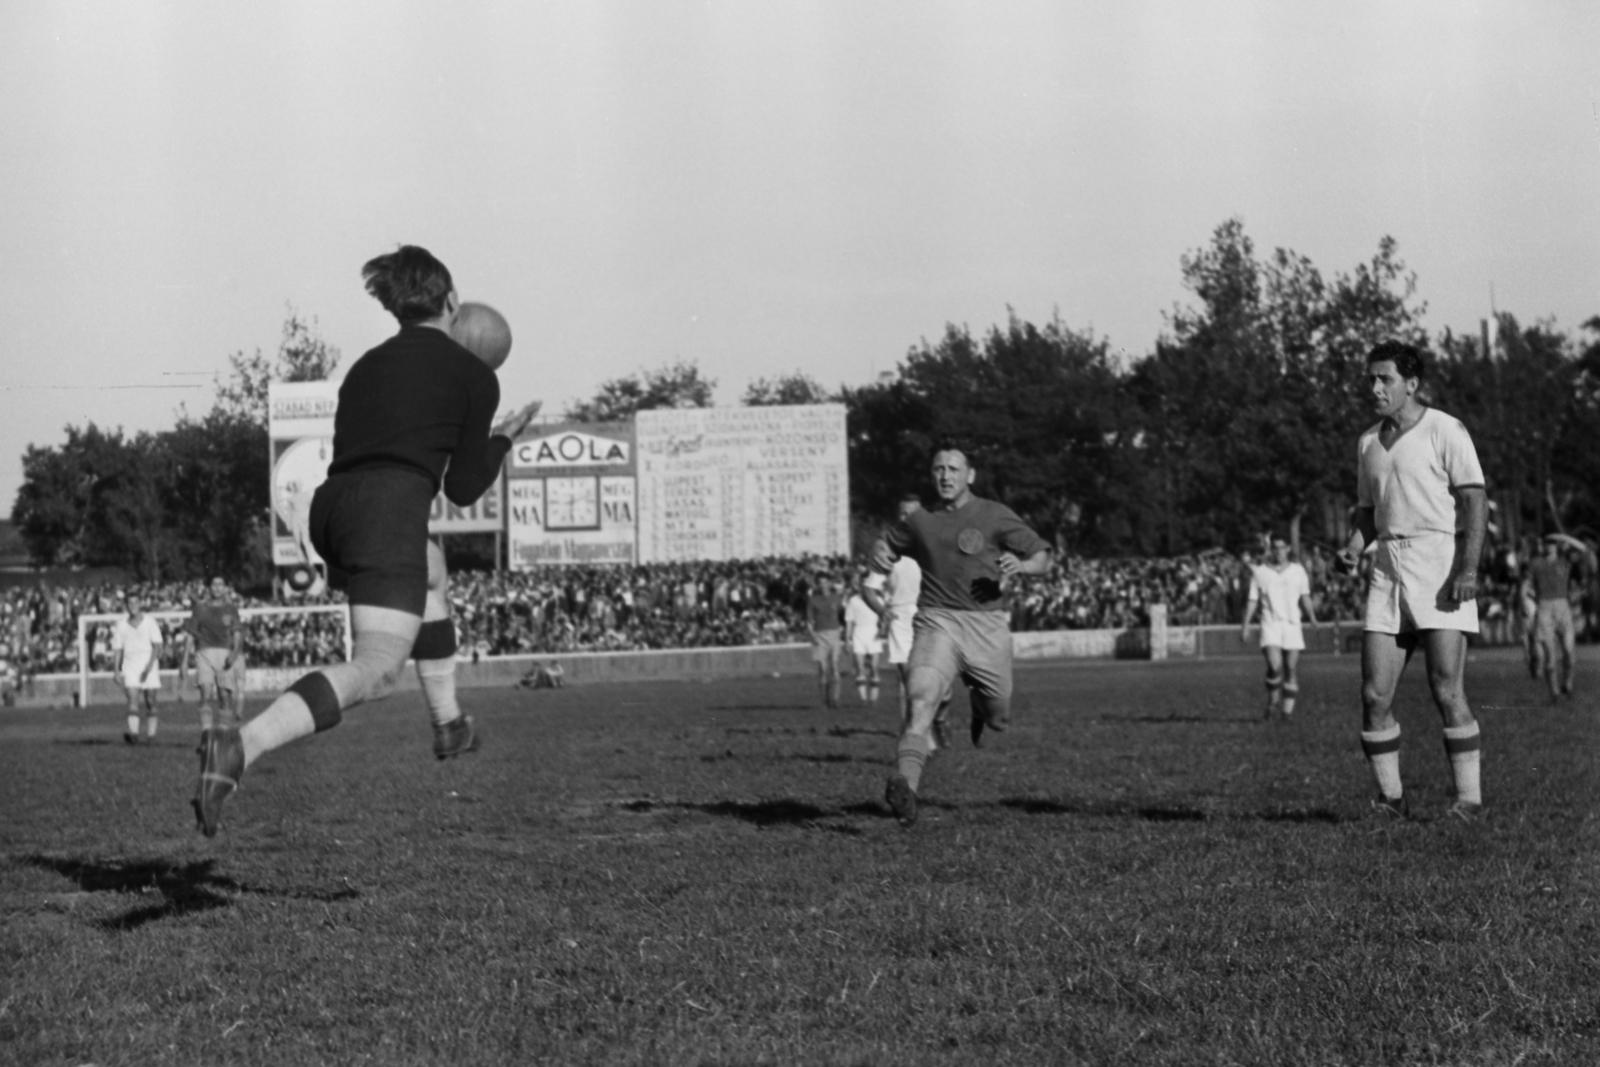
{"x": 300, "y": 429}
{"x": 742, "y": 483}
{"x": 570, "y": 496}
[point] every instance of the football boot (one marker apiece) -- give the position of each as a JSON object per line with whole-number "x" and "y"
{"x": 221, "y": 767}
{"x": 455, "y": 738}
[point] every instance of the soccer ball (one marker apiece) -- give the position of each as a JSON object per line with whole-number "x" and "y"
{"x": 484, "y": 332}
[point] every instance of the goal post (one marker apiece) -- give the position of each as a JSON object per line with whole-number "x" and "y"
{"x": 171, "y": 623}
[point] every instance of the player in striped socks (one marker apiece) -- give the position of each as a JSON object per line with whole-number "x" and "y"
{"x": 1421, "y": 500}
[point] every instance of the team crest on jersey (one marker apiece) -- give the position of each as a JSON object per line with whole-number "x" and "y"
{"x": 970, "y": 541}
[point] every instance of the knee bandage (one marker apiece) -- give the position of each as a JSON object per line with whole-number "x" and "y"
{"x": 318, "y": 694}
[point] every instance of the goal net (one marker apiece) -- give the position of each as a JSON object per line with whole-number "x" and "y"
{"x": 277, "y": 641}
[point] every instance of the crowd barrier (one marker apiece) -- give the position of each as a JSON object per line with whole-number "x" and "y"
{"x": 1183, "y": 642}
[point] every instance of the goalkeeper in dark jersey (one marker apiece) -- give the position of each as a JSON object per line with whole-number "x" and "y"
{"x": 414, "y": 413}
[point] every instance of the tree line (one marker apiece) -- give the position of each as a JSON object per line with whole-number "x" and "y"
{"x": 1244, "y": 417}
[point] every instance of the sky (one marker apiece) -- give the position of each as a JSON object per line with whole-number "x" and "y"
{"x": 758, "y": 187}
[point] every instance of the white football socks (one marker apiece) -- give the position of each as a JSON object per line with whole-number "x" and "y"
{"x": 438, "y": 678}
{"x": 1383, "y": 752}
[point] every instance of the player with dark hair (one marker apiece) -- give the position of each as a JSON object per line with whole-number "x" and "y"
{"x": 1281, "y": 589}
{"x": 136, "y": 640}
{"x": 824, "y": 625}
{"x": 1421, "y": 502}
{"x": 894, "y": 597}
{"x": 966, "y": 546}
{"x": 414, "y": 413}
{"x": 215, "y": 643}
{"x": 1554, "y": 638}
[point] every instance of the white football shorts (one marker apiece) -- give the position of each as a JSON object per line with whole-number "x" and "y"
{"x": 1285, "y": 635}
{"x": 132, "y": 668}
{"x": 900, "y": 637}
{"x": 1411, "y": 585}
{"x": 865, "y": 643}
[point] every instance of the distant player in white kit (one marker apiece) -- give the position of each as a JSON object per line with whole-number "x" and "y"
{"x": 861, "y": 634}
{"x": 137, "y": 640}
{"x": 1282, "y": 590}
{"x": 894, "y": 597}
{"x": 1421, "y": 498}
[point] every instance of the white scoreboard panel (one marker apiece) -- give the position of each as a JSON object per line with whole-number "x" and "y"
{"x": 742, "y": 483}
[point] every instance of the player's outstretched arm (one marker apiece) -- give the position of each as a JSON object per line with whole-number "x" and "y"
{"x": 513, "y": 424}
{"x": 475, "y": 461}
{"x": 1250, "y": 605}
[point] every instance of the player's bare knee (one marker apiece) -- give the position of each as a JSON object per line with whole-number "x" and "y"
{"x": 1375, "y": 700}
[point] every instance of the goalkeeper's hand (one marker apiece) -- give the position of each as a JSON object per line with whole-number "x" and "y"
{"x": 1344, "y": 562}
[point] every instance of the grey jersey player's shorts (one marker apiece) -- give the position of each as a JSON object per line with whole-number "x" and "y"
{"x": 974, "y": 646}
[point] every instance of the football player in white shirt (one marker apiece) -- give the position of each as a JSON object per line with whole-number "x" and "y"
{"x": 861, "y": 634}
{"x": 1282, "y": 590}
{"x": 137, "y": 641}
{"x": 894, "y": 597}
{"x": 1421, "y": 498}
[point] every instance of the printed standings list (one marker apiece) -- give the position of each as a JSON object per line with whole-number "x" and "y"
{"x": 741, "y": 483}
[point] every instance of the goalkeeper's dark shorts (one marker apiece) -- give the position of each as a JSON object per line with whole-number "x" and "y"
{"x": 371, "y": 528}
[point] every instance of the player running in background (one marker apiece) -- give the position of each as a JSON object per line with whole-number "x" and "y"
{"x": 1282, "y": 590}
{"x": 894, "y": 597}
{"x": 413, "y": 413}
{"x": 215, "y": 643}
{"x": 824, "y": 623}
{"x": 1421, "y": 498}
{"x": 861, "y": 634}
{"x": 1554, "y": 639}
{"x": 137, "y": 640}
{"x": 966, "y": 546}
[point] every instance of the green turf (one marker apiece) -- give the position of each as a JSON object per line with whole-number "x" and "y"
{"x": 1139, "y": 872}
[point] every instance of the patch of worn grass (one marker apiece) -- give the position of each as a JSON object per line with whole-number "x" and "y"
{"x": 1139, "y": 871}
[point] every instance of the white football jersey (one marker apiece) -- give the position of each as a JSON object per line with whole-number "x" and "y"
{"x": 1279, "y": 592}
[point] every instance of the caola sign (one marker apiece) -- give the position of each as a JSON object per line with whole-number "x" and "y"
{"x": 571, "y": 448}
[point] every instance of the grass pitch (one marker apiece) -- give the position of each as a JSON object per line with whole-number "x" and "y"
{"x": 1139, "y": 872}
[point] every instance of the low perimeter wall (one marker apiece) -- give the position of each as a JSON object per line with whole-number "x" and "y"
{"x": 1183, "y": 642}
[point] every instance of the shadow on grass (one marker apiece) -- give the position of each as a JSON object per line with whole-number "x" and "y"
{"x": 1179, "y": 720}
{"x": 831, "y": 757}
{"x": 1164, "y": 812}
{"x": 784, "y": 812}
{"x": 763, "y": 707}
{"x": 856, "y": 731}
{"x": 185, "y": 888}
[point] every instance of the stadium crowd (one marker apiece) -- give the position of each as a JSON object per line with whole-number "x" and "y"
{"x": 679, "y": 605}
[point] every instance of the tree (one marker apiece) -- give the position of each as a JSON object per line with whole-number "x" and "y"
{"x": 1035, "y": 408}
{"x": 303, "y": 356}
{"x": 95, "y": 501}
{"x": 1525, "y": 403}
{"x": 1251, "y": 406}
{"x": 676, "y": 385}
{"x": 788, "y": 389}
{"x": 183, "y": 502}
